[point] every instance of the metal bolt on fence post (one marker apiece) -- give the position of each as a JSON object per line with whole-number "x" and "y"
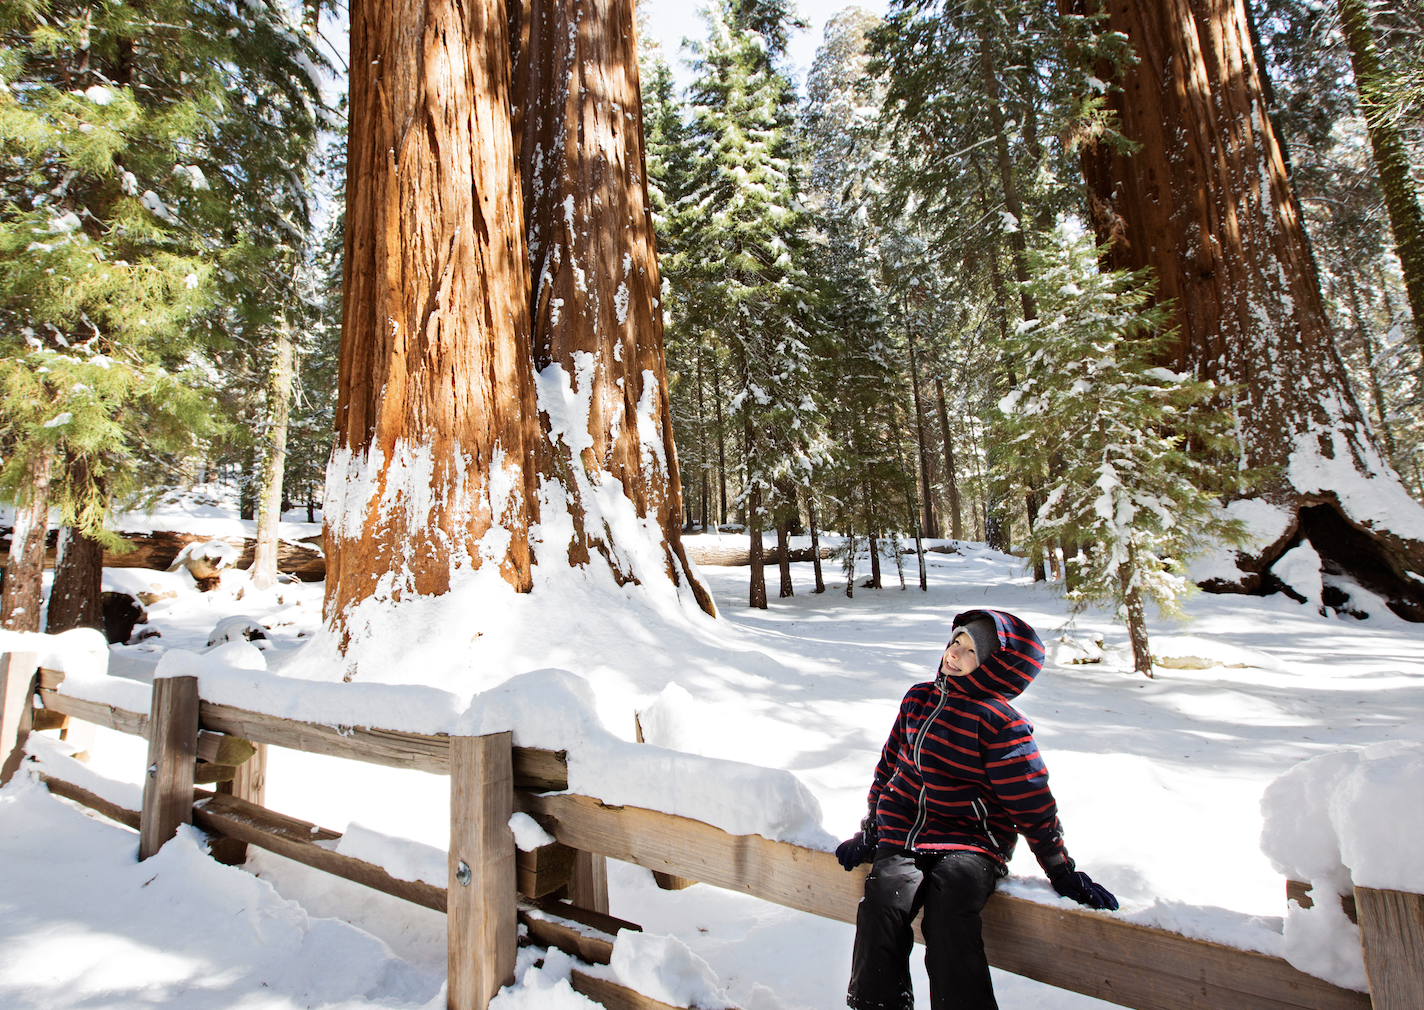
{"x": 462, "y": 873}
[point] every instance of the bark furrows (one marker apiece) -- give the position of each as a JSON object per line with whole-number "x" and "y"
{"x": 1205, "y": 201}
{"x": 595, "y": 295}
{"x": 435, "y": 413}
{"x": 497, "y": 225}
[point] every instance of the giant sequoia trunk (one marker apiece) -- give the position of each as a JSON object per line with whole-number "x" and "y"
{"x": 76, "y": 599}
{"x": 595, "y": 306}
{"x": 436, "y": 419}
{"x": 1204, "y": 200}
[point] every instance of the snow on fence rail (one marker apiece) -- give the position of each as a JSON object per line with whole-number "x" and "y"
{"x": 1083, "y": 951}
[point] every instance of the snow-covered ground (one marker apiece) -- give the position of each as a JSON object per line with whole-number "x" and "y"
{"x": 1159, "y": 783}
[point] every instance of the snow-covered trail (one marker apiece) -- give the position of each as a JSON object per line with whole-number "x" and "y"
{"x": 1159, "y": 784}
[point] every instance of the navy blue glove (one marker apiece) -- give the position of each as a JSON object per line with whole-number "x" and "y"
{"x": 1079, "y": 886}
{"x": 860, "y": 847}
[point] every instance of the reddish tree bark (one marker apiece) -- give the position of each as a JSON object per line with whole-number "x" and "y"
{"x": 1204, "y": 200}
{"x": 76, "y": 598}
{"x": 435, "y": 411}
{"x": 595, "y": 296}
{"x": 22, "y": 593}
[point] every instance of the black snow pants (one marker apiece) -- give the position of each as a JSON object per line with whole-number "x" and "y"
{"x": 952, "y": 888}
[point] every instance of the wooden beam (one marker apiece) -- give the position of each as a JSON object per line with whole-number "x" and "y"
{"x": 534, "y": 768}
{"x": 672, "y": 882}
{"x": 93, "y": 801}
{"x": 544, "y": 870}
{"x": 251, "y": 824}
{"x": 558, "y": 924}
{"x": 1392, "y": 936}
{"x": 249, "y": 783}
{"x": 612, "y": 995}
{"x": 599, "y": 921}
{"x": 1081, "y": 950}
{"x": 172, "y": 755}
{"x": 588, "y": 887}
{"x": 481, "y": 902}
{"x": 1300, "y": 891}
{"x": 18, "y": 674}
{"x": 98, "y": 713}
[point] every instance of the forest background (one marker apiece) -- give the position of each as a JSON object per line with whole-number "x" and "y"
{"x": 883, "y": 308}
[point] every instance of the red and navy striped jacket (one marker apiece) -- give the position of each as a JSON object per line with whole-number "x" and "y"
{"x": 961, "y": 770}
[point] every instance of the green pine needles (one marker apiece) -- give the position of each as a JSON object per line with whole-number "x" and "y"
{"x": 1102, "y": 434}
{"x": 153, "y": 163}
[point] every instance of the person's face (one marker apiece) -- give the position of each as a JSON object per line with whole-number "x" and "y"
{"x": 960, "y": 658}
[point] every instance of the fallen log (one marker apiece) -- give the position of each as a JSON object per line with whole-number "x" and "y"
{"x": 158, "y": 549}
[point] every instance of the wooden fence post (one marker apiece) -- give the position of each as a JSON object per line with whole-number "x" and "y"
{"x": 172, "y": 757}
{"x": 481, "y": 907}
{"x": 250, "y": 784}
{"x": 18, "y": 671}
{"x": 589, "y": 886}
{"x": 1392, "y": 935}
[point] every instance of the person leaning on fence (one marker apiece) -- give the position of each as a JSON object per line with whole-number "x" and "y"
{"x": 959, "y": 779}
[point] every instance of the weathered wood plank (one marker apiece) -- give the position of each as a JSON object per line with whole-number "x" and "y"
{"x": 1084, "y": 951}
{"x": 172, "y": 755}
{"x": 1300, "y": 891}
{"x": 576, "y": 940}
{"x": 51, "y": 678}
{"x": 533, "y": 768}
{"x": 18, "y": 674}
{"x": 612, "y": 995}
{"x": 481, "y": 903}
{"x": 672, "y": 882}
{"x": 1392, "y": 935}
{"x": 108, "y": 716}
{"x": 93, "y": 801}
{"x": 588, "y": 887}
{"x": 544, "y": 870}
{"x": 601, "y": 921}
{"x": 249, "y": 783}
{"x": 251, "y": 824}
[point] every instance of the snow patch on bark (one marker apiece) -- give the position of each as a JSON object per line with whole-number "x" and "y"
{"x": 1368, "y": 490}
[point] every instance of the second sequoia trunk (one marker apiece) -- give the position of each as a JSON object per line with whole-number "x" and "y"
{"x": 1204, "y": 200}
{"x": 595, "y": 298}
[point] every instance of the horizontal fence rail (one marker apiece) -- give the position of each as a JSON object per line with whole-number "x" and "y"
{"x": 1080, "y": 950}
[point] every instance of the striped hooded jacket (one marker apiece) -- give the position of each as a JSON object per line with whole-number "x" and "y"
{"x": 961, "y": 770}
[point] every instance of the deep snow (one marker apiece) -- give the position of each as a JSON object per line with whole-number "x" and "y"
{"x": 1159, "y": 784}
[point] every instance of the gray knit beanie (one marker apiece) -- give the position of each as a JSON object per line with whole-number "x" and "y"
{"x": 983, "y": 633}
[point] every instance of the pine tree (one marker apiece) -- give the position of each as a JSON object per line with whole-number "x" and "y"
{"x": 145, "y": 151}
{"x": 737, "y": 236}
{"x": 1111, "y": 432}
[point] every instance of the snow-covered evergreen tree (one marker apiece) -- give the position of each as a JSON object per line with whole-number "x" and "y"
{"x": 150, "y": 162}
{"x": 737, "y": 253}
{"x": 1110, "y": 433}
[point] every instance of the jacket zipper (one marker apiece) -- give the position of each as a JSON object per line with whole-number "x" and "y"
{"x": 982, "y": 810}
{"x": 923, "y": 812}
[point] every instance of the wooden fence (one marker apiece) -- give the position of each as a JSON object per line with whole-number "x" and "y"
{"x": 560, "y": 892}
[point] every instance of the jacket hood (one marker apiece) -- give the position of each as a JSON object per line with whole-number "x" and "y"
{"x": 1008, "y": 672}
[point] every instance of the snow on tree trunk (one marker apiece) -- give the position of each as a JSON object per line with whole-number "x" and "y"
{"x": 595, "y": 301}
{"x": 1205, "y": 201}
{"x": 432, "y": 472}
{"x": 76, "y": 598}
{"x": 24, "y": 570}
{"x": 269, "y": 497}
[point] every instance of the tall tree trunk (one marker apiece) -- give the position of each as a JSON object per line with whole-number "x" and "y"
{"x": 595, "y": 311}
{"x": 24, "y": 570}
{"x": 1204, "y": 200}
{"x": 815, "y": 542}
{"x": 757, "y": 589}
{"x": 721, "y": 442}
{"x": 76, "y": 599}
{"x": 1401, "y": 199}
{"x": 274, "y": 461}
{"x": 870, "y": 533}
{"x": 951, "y": 478}
{"x": 783, "y": 550}
{"x": 436, "y": 417}
{"x": 931, "y": 526}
